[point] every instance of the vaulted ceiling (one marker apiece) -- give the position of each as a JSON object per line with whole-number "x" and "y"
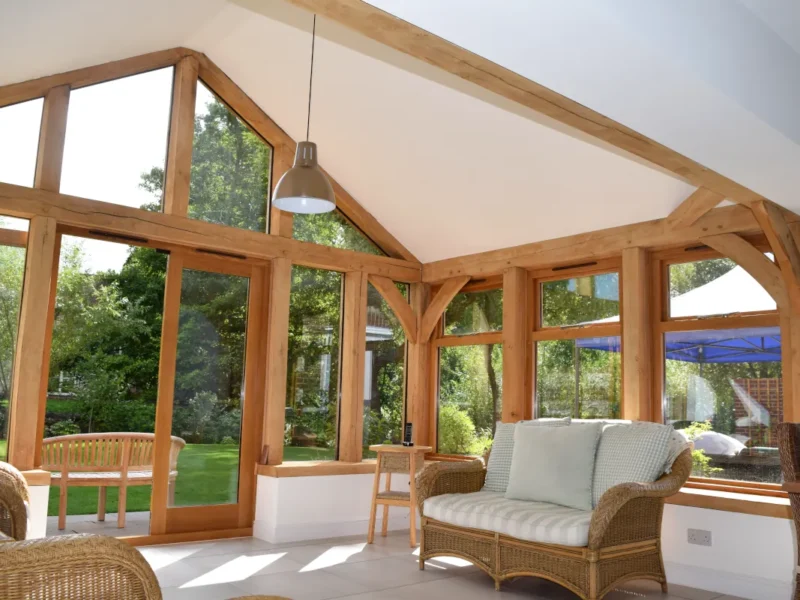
{"x": 447, "y": 167}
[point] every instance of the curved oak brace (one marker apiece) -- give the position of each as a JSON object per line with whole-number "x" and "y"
{"x": 438, "y": 305}
{"x": 772, "y": 219}
{"x": 402, "y": 309}
{"x": 752, "y": 260}
{"x": 695, "y": 206}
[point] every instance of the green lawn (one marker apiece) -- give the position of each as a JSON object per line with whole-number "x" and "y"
{"x": 206, "y": 475}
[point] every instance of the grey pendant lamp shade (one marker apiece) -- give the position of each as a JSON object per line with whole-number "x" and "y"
{"x": 304, "y": 188}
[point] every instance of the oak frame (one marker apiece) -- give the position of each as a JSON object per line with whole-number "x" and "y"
{"x": 662, "y": 238}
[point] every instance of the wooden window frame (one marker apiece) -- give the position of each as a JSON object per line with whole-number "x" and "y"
{"x": 539, "y": 333}
{"x": 663, "y": 323}
{"x": 440, "y": 340}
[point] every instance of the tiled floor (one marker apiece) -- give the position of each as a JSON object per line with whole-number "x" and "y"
{"x": 136, "y": 523}
{"x": 349, "y": 569}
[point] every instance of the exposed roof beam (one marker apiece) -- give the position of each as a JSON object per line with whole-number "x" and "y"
{"x": 752, "y": 260}
{"x": 594, "y": 245}
{"x": 399, "y": 305}
{"x": 423, "y": 45}
{"x": 166, "y": 230}
{"x": 438, "y": 305}
{"x": 775, "y": 222}
{"x": 695, "y": 206}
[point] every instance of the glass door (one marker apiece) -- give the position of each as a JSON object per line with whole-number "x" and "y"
{"x": 210, "y": 399}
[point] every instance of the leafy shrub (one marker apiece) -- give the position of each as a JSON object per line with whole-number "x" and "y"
{"x": 68, "y": 427}
{"x": 701, "y": 462}
{"x": 227, "y": 440}
{"x": 205, "y": 419}
{"x": 456, "y": 430}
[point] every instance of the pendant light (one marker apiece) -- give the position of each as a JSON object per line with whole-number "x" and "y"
{"x": 304, "y": 188}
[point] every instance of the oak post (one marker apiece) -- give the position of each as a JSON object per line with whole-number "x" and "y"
{"x": 636, "y": 336}
{"x": 354, "y": 340}
{"x": 52, "y": 134}
{"x": 181, "y": 138}
{"x": 418, "y": 398}
{"x": 515, "y": 344}
{"x": 31, "y": 339}
{"x": 277, "y": 358}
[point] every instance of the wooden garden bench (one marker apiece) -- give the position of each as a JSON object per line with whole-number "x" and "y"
{"x": 104, "y": 460}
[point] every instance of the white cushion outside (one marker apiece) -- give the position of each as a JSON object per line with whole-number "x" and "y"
{"x": 499, "y": 466}
{"x": 554, "y": 464}
{"x": 530, "y": 521}
{"x": 629, "y": 453}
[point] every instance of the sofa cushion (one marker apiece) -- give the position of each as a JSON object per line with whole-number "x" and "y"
{"x": 634, "y": 452}
{"x": 554, "y": 464}
{"x": 675, "y": 447}
{"x": 531, "y": 521}
{"x": 499, "y": 465}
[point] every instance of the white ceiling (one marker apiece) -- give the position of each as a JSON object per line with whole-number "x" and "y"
{"x": 448, "y": 168}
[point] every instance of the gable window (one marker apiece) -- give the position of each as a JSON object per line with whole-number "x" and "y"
{"x": 19, "y": 141}
{"x": 116, "y": 141}
{"x": 577, "y": 346}
{"x": 332, "y": 229}
{"x": 231, "y": 167}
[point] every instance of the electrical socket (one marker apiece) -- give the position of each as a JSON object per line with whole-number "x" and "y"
{"x": 699, "y": 537}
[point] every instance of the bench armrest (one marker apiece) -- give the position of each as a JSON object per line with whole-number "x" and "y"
{"x": 631, "y": 512}
{"x": 90, "y": 567}
{"x": 449, "y": 478}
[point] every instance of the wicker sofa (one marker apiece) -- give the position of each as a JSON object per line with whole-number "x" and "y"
{"x": 624, "y": 540}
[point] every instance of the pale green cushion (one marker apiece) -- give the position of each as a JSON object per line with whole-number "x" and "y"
{"x": 554, "y": 464}
{"x": 499, "y": 465}
{"x": 630, "y": 453}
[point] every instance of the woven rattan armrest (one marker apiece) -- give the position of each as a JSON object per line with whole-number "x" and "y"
{"x": 615, "y": 500}
{"x": 90, "y": 567}
{"x": 449, "y": 478}
{"x": 13, "y": 496}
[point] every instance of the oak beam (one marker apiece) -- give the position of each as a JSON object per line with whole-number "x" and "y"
{"x": 181, "y": 138}
{"x": 52, "y": 134}
{"x": 516, "y": 344}
{"x": 429, "y": 48}
{"x": 637, "y": 364}
{"x": 399, "y": 305}
{"x": 438, "y": 305}
{"x": 277, "y": 358}
{"x": 354, "y": 342}
{"x": 31, "y": 340}
{"x": 594, "y": 245}
{"x": 754, "y": 261}
{"x": 775, "y": 223}
{"x": 22, "y": 202}
{"x": 35, "y": 88}
{"x": 418, "y": 396}
{"x": 695, "y": 206}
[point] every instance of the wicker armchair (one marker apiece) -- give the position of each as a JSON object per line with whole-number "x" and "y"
{"x": 13, "y": 499}
{"x": 90, "y": 567}
{"x": 624, "y": 534}
{"x": 789, "y": 445}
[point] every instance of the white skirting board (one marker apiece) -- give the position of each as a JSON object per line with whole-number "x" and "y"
{"x": 725, "y": 582}
{"x": 290, "y": 509}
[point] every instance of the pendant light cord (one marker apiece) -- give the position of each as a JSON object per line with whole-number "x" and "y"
{"x": 311, "y": 74}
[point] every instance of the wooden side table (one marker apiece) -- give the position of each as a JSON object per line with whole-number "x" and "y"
{"x": 396, "y": 459}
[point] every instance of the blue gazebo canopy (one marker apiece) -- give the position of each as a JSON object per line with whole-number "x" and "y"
{"x": 759, "y": 344}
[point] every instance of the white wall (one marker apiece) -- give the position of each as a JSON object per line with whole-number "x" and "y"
{"x": 750, "y": 557}
{"x": 306, "y": 508}
{"x": 37, "y": 511}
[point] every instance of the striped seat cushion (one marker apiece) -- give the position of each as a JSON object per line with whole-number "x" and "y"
{"x": 531, "y": 521}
